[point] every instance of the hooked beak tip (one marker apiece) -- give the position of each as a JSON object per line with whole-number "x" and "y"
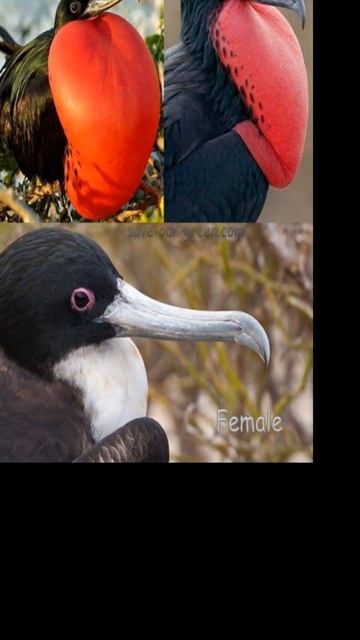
{"x": 97, "y": 7}
{"x": 254, "y": 336}
{"x": 299, "y": 7}
{"x": 264, "y": 353}
{"x": 267, "y": 360}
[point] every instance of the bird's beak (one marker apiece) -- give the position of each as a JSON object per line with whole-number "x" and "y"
{"x": 294, "y": 5}
{"x": 96, "y": 7}
{"x": 135, "y": 315}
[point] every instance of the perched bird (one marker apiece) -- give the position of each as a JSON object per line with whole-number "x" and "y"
{"x": 28, "y": 118}
{"x": 73, "y": 385}
{"x": 73, "y": 106}
{"x": 236, "y": 109}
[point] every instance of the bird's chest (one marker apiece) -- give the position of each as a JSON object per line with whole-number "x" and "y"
{"x": 112, "y": 380}
{"x": 208, "y": 95}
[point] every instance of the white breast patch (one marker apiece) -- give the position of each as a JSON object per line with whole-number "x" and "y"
{"x": 112, "y": 380}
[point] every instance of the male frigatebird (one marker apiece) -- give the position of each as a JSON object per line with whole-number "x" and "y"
{"x": 73, "y": 386}
{"x": 236, "y": 108}
{"x": 28, "y": 118}
{"x": 80, "y": 104}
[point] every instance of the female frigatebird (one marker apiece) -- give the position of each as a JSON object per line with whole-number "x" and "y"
{"x": 81, "y": 104}
{"x": 236, "y": 109}
{"x": 73, "y": 386}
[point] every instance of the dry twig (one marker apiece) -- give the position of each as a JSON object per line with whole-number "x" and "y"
{"x": 8, "y": 198}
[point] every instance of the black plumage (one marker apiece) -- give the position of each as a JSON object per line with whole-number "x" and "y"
{"x": 40, "y": 420}
{"x": 43, "y": 421}
{"x": 53, "y": 263}
{"x": 139, "y": 441}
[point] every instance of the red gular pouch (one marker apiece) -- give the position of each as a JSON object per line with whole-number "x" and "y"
{"x": 107, "y": 95}
{"x": 264, "y": 59}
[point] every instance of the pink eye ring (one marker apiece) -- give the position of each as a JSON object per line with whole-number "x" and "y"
{"x": 82, "y": 300}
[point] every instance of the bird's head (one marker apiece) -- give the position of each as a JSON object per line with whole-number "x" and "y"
{"x": 69, "y": 10}
{"x": 59, "y": 292}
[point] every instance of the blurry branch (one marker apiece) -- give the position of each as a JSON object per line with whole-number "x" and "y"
{"x": 267, "y": 272}
{"x": 8, "y": 198}
{"x": 284, "y": 403}
{"x": 233, "y": 382}
{"x": 301, "y": 306}
{"x": 267, "y": 282}
{"x": 128, "y": 216}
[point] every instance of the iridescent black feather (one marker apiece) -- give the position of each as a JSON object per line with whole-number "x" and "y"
{"x": 28, "y": 119}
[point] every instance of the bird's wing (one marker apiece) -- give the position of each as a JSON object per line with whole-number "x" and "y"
{"x": 201, "y": 102}
{"x": 142, "y": 440}
{"x": 24, "y": 64}
{"x": 28, "y": 118}
{"x": 39, "y": 421}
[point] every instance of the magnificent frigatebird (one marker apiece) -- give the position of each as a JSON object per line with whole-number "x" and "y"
{"x": 28, "y": 118}
{"x": 236, "y": 108}
{"x": 73, "y": 386}
{"x": 80, "y": 104}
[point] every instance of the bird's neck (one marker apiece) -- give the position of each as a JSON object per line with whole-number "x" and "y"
{"x": 112, "y": 381}
{"x": 61, "y": 17}
{"x": 196, "y": 20}
{"x": 196, "y": 36}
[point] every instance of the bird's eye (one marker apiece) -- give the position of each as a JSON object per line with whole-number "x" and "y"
{"x": 75, "y": 7}
{"x": 82, "y": 300}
